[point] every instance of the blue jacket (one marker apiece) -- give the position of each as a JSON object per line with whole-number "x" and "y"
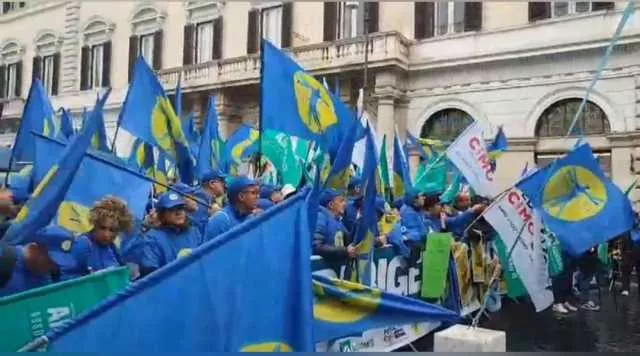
{"x": 265, "y": 204}
{"x": 200, "y": 217}
{"x": 396, "y": 240}
{"x": 453, "y": 224}
{"x": 164, "y": 245}
{"x": 330, "y": 238}
{"x": 415, "y": 224}
{"x": 223, "y": 221}
{"x": 93, "y": 257}
{"x": 350, "y": 217}
{"x": 21, "y": 278}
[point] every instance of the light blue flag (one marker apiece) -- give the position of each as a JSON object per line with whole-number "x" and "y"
{"x": 37, "y": 116}
{"x": 295, "y": 103}
{"x": 99, "y": 175}
{"x": 343, "y": 308}
{"x": 50, "y": 192}
{"x": 247, "y": 290}
{"x": 148, "y": 114}
{"x": 210, "y": 155}
{"x": 581, "y": 206}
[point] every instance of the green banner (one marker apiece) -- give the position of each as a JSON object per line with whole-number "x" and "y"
{"x": 28, "y": 315}
{"x": 433, "y": 180}
{"x": 515, "y": 288}
{"x": 435, "y": 264}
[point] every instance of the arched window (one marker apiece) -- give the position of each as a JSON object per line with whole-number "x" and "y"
{"x": 95, "y": 67}
{"x": 11, "y": 69}
{"x": 146, "y": 36}
{"x": 556, "y": 119}
{"x": 46, "y": 62}
{"x": 446, "y": 124}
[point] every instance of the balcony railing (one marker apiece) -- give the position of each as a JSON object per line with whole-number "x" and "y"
{"x": 12, "y": 107}
{"x": 385, "y": 49}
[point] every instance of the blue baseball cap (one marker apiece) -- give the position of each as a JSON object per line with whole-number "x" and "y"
{"x": 58, "y": 242}
{"x": 327, "y": 195}
{"x": 169, "y": 200}
{"x": 238, "y": 184}
{"x": 355, "y": 182}
{"x": 213, "y": 175}
{"x": 267, "y": 189}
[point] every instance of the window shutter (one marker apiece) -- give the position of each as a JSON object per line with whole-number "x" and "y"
{"x": 3, "y": 70}
{"x": 157, "y": 50}
{"x": 106, "y": 64}
{"x": 371, "y": 11}
{"x": 473, "y": 16}
{"x": 539, "y": 10}
{"x": 56, "y": 74}
{"x": 217, "y": 38}
{"x": 187, "y": 45}
{"x": 133, "y": 55}
{"x": 36, "y": 68}
{"x": 5, "y": 6}
{"x": 253, "y": 37}
{"x": 423, "y": 20}
{"x": 603, "y": 5}
{"x": 330, "y": 21}
{"x": 84, "y": 68}
{"x": 18, "y": 79}
{"x": 287, "y": 10}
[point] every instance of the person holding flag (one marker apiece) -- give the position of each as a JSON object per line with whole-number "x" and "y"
{"x": 270, "y": 195}
{"x": 173, "y": 238}
{"x": 331, "y": 239}
{"x": 354, "y": 205}
{"x": 243, "y": 202}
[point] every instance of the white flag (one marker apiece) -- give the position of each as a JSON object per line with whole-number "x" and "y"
{"x": 469, "y": 153}
{"x": 508, "y": 215}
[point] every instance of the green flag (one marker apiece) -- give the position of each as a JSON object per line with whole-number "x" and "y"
{"x": 435, "y": 264}
{"x": 28, "y": 315}
{"x": 278, "y": 149}
{"x": 515, "y": 288}
{"x": 431, "y": 177}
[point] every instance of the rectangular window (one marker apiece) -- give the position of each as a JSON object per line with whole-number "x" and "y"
{"x": 449, "y": 17}
{"x": 48, "y": 64}
{"x": 348, "y": 19}
{"x": 8, "y": 6}
{"x": 603, "y": 157}
{"x": 145, "y": 48}
{"x": 272, "y": 24}
{"x": 97, "y": 67}
{"x": 204, "y": 42}
{"x": 564, "y": 8}
{"x": 10, "y": 80}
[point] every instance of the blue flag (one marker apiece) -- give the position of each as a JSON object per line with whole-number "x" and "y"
{"x": 210, "y": 155}
{"x": 50, "y": 192}
{"x": 343, "y": 308}
{"x": 247, "y": 290}
{"x": 297, "y": 104}
{"x": 148, "y": 114}
{"x": 37, "y": 116}
{"x": 99, "y": 175}
{"x": 242, "y": 144}
{"x": 401, "y": 176}
{"x": 341, "y": 171}
{"x": 577, "y": 202}
{"x": 66, "y": 126}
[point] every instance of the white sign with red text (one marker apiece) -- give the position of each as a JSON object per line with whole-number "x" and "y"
{"x": 512, "y": 217}
{"x": 469, "y": 153}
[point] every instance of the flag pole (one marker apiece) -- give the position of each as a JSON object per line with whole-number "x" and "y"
{"x": 366, "y": 55}
{"x": 258, "y": 166}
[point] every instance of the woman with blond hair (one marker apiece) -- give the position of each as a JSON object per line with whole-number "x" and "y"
{"x": 96, "y": 249}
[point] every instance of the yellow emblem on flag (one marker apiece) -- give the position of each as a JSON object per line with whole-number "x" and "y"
{"x": 237, "y": 150}
{"x": 184, "y": 252}
{"x": 315, "y": 106}
{"x": 24, "y": 212}
{"x": 74, "y": 217}
{"x": 360, "y": 303}
{"x": 267, "y": 347}
{"x": 166, "y": 127}
{"x": 573, "y": 194}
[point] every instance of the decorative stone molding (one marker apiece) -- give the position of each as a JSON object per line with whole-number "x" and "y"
{"x": 637, "y": 96}
{"x": 11, "y": 51}
{"x": 97, "y": 30}
{"x": 616, "y": 120}
{"x": 146, "y": 19}
{"x": 265, "y": 4}
{"x": 449, "y": 103}
{"x": 69, "y": 68}
{"x": 203, "y": 10}
{"x": 47, "y": 42}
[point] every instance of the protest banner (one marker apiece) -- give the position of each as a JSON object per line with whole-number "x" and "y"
{"x": 514, "y": 220}
{"x": 435, "y": 264}
{"x": 28, "y": 315}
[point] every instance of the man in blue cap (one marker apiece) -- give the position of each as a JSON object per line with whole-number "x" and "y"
{"x": 173, "y": 238}
{"x": 212, "y": 190}
{"x": 412, "y": 217}
{"x": 331, "y": 239}
{"x": 354, "y": 206}
{"x": 243, "y": 201}
{"x": 37, "y": 263}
